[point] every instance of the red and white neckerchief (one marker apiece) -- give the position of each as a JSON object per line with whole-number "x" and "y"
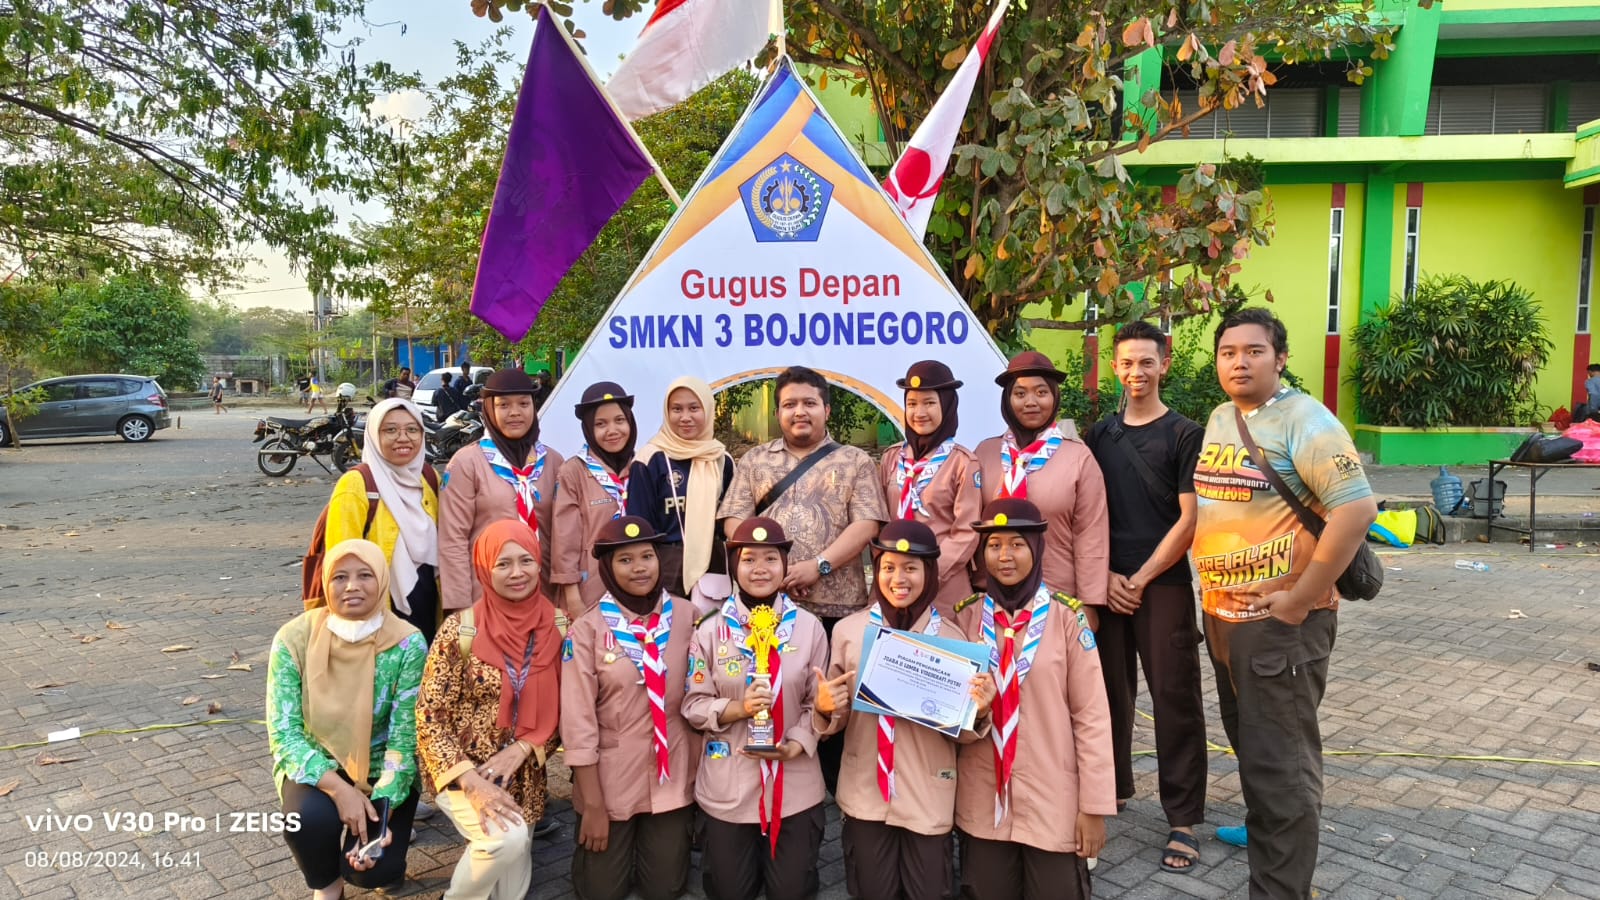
{"x": 886, "y": 723}
{"x": 524, "y": 481}
{"x": 1001, "y": 632}
{"x": 733, "y": 626}
{"x": 615, "y": 487}
{"x": 1017, "y": 464}
{"x": 644, "y": 640}
{"x": 913, "y": 477}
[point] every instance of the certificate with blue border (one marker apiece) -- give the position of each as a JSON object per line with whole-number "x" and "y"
{"x": 920, "y": 678}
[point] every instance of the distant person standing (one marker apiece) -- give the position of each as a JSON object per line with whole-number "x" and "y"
{"x": 303, "y": 386}
{"x": 1267, "y": 582}
{"x": 216, "y": 395}
{"x": 1591, "y": 386}
{"x": 314, "y": 396}
{"x": 400, "y": 386}
{"x": 1147, "y": 454}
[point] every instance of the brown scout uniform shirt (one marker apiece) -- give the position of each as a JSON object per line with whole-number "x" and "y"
{"x": 472, "y": 499}
{"x": 730, "y": 788}
{"x": 1071, "y": 494}
{"x": 838, "y": 492}
{"x": 1064, "y": 764}
{"x": 605, "y": 718}
{"x": 924, "y": 759}
{"x": 582, "y": 508}
{"x": 953, "y": 502}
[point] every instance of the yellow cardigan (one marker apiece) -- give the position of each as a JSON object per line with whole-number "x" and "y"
{"x": 347, "y": 512}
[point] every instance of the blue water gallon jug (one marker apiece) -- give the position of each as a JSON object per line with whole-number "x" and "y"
{"x": 1447, "y": 492}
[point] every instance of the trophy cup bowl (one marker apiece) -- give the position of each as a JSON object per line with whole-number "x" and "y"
{"x": 763, "y": 632}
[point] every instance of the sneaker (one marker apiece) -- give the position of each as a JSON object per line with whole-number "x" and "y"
{"x": 1234, "y": 835}
{"x": 545, "y": 827}
{"x": 425, "y": 811}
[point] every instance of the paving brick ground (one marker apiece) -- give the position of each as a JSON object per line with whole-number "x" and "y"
{"x": 110, "y": 553}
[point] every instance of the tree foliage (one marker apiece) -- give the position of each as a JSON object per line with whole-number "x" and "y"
{"x": 424, "y": 258}
{"x": 148, "y": 134}
{"x": 1456, "y": 352}
{"x": 1039, "y": 205}
{"x": 127, "y": 324}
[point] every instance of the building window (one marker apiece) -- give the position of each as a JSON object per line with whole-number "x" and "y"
{"x": 1335, "y": 266}
{"x": 1413, "y": 230}
{"x": 1585, "y": 269}
{"x": 1488, "y": 109}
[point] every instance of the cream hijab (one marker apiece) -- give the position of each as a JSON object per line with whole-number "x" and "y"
{"x": 705, "y": 454}
{"x": 336, "y": 688}
{"x": 401, "y": 491}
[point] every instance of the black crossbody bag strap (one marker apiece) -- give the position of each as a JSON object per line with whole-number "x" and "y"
{"x": 1168, "y": 497}
{"x": 795, "y": 474}
{"x": 1313, "y": 522}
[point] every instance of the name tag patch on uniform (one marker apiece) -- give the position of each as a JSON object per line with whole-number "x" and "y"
{"x": 717, "y": 750}
{"x": 605, "y": 502}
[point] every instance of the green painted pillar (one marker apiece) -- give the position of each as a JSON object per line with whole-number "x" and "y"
{"x": 1140, "y": 76}
{"x": 1395, "y": 99}
{"x": 1377, "y": 244}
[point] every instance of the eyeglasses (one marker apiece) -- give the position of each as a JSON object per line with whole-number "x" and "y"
{"x": 410, "y": 431}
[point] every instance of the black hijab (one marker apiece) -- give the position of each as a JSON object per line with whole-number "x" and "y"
{"x": 906, "y": 537}
{"x": 596, "y": 396}
{"x": 932, "y": 375}
{"x": 626, "y": 531}
{"x": 757, "y": 531}
{"x": 1026, "y": 436}
{"x": 1010, "y": 515}
{"x": 506, "y": 383}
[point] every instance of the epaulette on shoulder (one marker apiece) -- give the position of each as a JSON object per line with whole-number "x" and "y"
{"x": 963, "y": 604}
{"x": 1072, "y": 603}
{"x": 703, "y": 617}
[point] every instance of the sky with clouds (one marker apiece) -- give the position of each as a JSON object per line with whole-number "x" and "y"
{"x": 420, "y": 36}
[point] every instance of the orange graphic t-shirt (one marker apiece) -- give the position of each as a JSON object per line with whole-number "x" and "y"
{"x": 1248, "y": 543}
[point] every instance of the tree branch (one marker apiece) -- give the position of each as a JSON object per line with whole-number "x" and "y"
{"x": 870, "y": 40}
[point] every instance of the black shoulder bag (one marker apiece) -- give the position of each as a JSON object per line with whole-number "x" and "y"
{"x": 1363, "y": 578}
{"x": 795, "y": 474}
{"x": 1169, "y": 496}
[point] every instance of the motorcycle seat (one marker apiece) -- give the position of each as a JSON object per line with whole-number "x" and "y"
{"x": 289, "y": 423}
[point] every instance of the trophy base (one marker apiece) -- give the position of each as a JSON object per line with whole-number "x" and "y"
{"x": 761, "y": 748}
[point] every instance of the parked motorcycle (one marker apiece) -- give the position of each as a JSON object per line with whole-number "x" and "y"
{"x": 461, "y": 428}
{"x": 283, "y": 441}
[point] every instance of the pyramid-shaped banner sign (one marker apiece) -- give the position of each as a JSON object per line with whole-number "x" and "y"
{"x": 787, "y": 252}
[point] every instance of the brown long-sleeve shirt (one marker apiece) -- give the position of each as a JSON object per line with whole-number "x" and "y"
{"x": 582, "y": 508}
{"x": 1071, "y": 494}
{"x": 605, "y": 718}
{"x": 952, "y": 501}
{"x": 472, "y": 499}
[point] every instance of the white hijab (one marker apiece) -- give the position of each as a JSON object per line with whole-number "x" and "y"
{"x": 400, "y": 490}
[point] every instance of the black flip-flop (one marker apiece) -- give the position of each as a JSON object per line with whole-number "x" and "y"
{"x": 1188, "y": 840}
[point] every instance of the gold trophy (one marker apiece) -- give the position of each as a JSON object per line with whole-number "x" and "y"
{"x": 763, "y": 632}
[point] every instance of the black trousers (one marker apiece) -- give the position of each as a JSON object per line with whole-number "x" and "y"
{"x": 738, "y": 863}
{"x": 1163, "y": 636}
{"x": 317, "y": 847}
{"x": 885, "y": 862}
{"x": 830, "y": 750}
{"x": 647, "y": 853}
{"x": 1270, "y": 680}
{"x": 424, "y": 600}
{"x": 1006, "y": 870}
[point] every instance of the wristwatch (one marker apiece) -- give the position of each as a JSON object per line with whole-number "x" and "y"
{"x": 823, "y": 566}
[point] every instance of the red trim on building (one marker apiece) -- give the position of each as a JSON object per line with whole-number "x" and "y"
{"x": 1330, "y": 373}
{"x": 1091, "y": 372}
{"x": 1580, "y": 367}
{"x": 1338, "y": 197}
{"x": 1414, "y": 193}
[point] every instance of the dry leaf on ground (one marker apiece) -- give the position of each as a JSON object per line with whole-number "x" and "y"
{"x": 9, "y": 786}
{"x": 87, "y": 638}
{"x": 213, "y": 707}
{"x": 45, "y": 759}
{"x": 239, "y": 667}
{"x": 215, "y": 675}
{"x": 115, "y": 626}
{"x": 176, "y": 648}
{"x": 45, "y": 684}
{"x": 190, "y": 700}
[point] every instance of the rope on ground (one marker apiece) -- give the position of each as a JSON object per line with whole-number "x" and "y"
{"x": 168, "y": 726}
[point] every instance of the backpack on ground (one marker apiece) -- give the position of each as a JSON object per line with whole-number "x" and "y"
{"x": 1430, "y": 524}
{"x": 311, "y": 564}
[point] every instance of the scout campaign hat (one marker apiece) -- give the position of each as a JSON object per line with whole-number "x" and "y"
{"x": 505, "y": 382}
{"x": 907, "y": 536}
{"x": 621, "y": 532}
{"x": 603, "y": 392}
{"x": 928, "y": 375}
{"x": 1010, "y": 514}
{"x": 1030, "y": 362}
{"x": 759, "y": 532}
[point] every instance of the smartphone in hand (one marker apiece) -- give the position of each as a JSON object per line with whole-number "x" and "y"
{"x": 373, "y": 848}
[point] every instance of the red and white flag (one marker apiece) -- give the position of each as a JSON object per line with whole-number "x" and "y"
{"x": 686, "y": 45}
{"x": 914, "y": 181}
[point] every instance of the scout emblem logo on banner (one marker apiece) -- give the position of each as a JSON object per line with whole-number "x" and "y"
{"x": 787, "y": 201}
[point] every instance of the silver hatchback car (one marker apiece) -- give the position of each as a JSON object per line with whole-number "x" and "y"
{"x": 133, "y": 407}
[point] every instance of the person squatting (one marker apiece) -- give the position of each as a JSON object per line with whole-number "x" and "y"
{"x": 688, "y": 631}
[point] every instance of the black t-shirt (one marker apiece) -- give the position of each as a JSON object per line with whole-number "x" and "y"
{"x": 651, "y": 498}
{"x": 304, "y": 384}
{"x": 1170, "y": 446}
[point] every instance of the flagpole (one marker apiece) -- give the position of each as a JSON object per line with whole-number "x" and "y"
{"x": 661, "y": 176}
{"x": 779, "y": 29}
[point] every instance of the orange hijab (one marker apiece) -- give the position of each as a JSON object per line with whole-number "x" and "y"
{"x": 503, "y": 630}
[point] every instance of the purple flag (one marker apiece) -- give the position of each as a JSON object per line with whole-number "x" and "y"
{"x": 570, "y": 165}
